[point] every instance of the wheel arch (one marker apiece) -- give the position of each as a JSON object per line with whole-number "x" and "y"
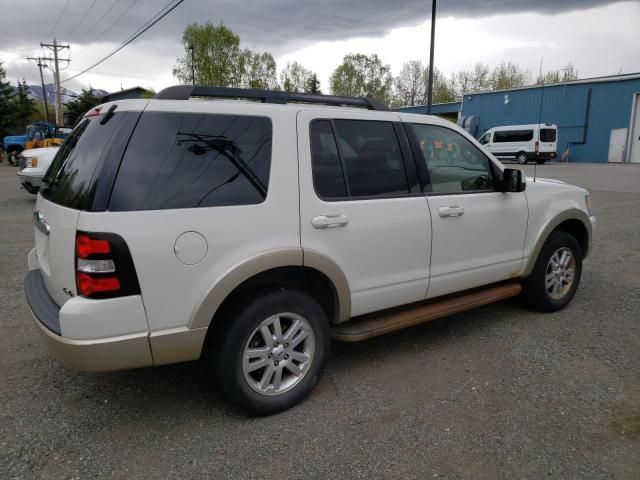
{"x": 573, "y": 221}
{"x": 287, "y": 268}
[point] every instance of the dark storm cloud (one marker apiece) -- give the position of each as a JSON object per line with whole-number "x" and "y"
{"x": 266, "y": 24}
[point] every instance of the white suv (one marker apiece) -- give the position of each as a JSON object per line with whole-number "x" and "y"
{"x": 250, "y": 233}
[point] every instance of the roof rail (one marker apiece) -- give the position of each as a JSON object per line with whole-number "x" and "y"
{"x": 184, "y": 92}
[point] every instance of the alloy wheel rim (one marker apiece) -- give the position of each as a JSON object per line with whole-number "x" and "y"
{"x": 560, "y": 273}
{"x": 278, "y": 354}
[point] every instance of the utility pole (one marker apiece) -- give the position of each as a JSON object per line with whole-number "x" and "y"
{"x": 44, "y": 92}
{"x": 193, "y": 66}
{"x": 55, "y": 47}
{"x": 433, "y": 37}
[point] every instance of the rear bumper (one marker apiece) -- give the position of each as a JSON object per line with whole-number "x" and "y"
{"x": 91, "y": 355}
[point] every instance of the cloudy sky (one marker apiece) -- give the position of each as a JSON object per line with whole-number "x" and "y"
{"x": 599, "y": 37}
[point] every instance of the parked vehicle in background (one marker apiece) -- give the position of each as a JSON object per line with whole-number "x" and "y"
{"x": 251, "y": 232}
{"x": 537, "y": 142}
{"x": 37, "y": 135}
{"x": 34, "y": 164}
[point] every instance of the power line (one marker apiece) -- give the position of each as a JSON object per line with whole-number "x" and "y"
{"x": 106, "y": 12}
{"x": 75, "y": 27}
{"x": 160, "y": 15}
{"x": 83, "y": 36}
{"x": 59, "y": 18}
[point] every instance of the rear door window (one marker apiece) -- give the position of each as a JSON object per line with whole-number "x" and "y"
{"x": 547, "y": 134}
{"x": 357, "y": 158}
{"x": 74, "y": 174}
{"x": 189, "y": 160}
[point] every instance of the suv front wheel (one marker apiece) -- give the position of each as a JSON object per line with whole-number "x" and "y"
{"x": 556, "y": 274}
{"x": 272, "y": 351}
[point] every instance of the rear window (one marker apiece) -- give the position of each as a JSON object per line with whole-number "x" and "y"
{"x": 73, "y": 176}
{"x": 547, "y": 134}
{"x": 188, "y": 160}
{"x": 513, "y": 136}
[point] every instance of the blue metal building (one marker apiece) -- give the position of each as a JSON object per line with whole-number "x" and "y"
{"x": 598, "y": 119}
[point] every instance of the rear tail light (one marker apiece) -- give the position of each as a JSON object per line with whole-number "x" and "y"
{"x": 104, "y": 268}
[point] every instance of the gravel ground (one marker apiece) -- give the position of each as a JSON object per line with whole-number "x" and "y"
{"x": 499, "y": 392}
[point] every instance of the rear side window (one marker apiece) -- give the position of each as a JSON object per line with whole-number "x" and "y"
{"x": 513, "y": 136}
{"x": 357, "y": 158}
{"x": 73, "y": 177}
{"x": 188, "y": 160}
{"x": 547, "y": 134}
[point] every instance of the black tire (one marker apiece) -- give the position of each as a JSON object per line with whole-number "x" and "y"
{"x": 535, "y": 293}
{"x": 240, "y": 323}
{"x": 521, "y": 158}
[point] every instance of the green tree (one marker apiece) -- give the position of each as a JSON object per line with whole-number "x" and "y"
{"x": 23, "y": 107}
{"x": 81, "y": 105}
{"x": 508, "y": 75}
{"x": 149, "y": 93}
{"x": 6, "y": 105}
{"x": 313, "y": 85}
{"x": 258, "y": 70}
{"x": 444, "y": 89}
{"x": 362, "y": 75}
{"x": 475, "y": 80}
{"x": 565, "y": 74}
{"x": 410, "y": 84}
{"x": 295, "y": 78}
{"x": 216, "y": 56}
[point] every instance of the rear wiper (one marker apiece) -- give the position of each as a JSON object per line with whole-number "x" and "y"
{"x": 108, "y": 115}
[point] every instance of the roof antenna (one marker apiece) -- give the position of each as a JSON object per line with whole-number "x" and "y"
{"x": 535, "y": 165}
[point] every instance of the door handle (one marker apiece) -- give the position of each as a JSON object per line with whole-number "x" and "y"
{"x": 451, "y": 211}
{"x": 329, "y": 221}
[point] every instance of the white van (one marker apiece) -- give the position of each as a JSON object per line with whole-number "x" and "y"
{"x": 537, "y": 142}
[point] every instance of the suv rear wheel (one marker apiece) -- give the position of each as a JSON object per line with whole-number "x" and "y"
{"x": 272, "y": 351}
{"x": 556, "y": 274}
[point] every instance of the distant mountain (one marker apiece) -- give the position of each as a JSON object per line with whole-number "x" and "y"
{"x": 67, "y": 95}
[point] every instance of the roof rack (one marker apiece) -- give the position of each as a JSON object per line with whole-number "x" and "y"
{"x": 184, "y": 92}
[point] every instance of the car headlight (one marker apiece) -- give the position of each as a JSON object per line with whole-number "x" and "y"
{"x": 587, "y": 202}
{"x": 32, "y": 162}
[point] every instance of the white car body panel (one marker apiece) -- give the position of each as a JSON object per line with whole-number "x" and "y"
{"x": 170, "y": 289}
{"x": 393, "y": 251}
{"x": 56, "y": 251}
{"x": 34, "y": 175}
{"x": 384, "y": 249}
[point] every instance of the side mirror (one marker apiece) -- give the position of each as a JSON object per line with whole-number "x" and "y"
{"x": 512, "y": 180}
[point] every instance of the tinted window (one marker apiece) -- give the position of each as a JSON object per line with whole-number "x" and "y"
{"x": 185, "y": 160}
{"x": 513, "y": 136}
{"x": 485, "y": 138}
{"x": 328, "y": 178}
{"x": 75, "y": 171}
{"x": 453, "y": 162}
{"x": 547, "y": 134}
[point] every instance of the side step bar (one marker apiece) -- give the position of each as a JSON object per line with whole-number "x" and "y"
{"x": 369, "y": 326}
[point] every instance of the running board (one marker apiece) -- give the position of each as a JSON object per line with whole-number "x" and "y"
{"x": 361, "y": 329}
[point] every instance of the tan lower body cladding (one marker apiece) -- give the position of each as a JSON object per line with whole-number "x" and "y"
{"x": 371, "y": 326}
